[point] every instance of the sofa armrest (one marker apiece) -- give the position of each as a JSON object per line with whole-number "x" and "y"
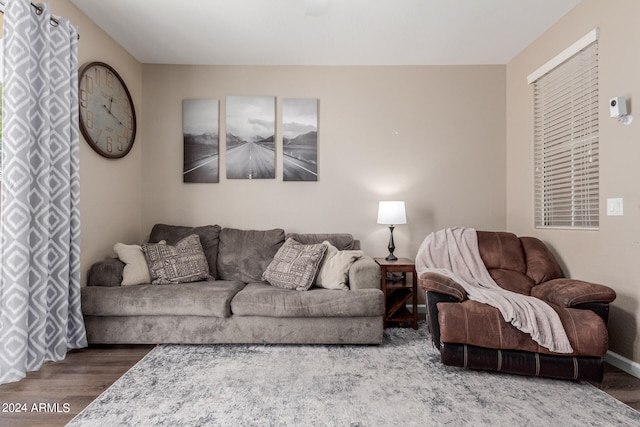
{"x": 571, "y": 293}
{"x": 107, "y": 272}
{"x": 364, "y": 274}
{"x": 438, "y": 283}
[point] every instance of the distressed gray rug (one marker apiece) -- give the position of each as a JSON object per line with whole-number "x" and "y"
{"x": 400, "y": 383}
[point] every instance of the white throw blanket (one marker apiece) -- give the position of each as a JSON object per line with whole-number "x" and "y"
{"x": 454, "y": 253}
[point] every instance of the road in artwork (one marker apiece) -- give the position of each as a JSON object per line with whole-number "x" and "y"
{"x": 250, "y": 160}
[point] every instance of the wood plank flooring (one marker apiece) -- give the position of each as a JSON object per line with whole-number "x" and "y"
{"x": 622, "y": 386}
{"x": 75, "y": 381}
{"x": 61, "y": 390}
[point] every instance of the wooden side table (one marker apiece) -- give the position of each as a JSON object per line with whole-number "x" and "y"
{"x": 398, "y": 292}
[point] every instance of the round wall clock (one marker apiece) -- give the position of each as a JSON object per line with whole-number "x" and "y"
{"x": 107, "y": 115}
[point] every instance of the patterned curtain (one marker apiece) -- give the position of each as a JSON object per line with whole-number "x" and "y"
{"x": 40, "y": 316}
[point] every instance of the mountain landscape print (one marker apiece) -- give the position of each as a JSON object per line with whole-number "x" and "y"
{"x": 201, "y": 142}
{"x": 300, "y": 139}
{"x": 250, "y": 138}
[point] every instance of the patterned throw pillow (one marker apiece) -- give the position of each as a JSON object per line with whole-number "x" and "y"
{"x": 184, "y": 262}
{"x": 295, "y": 265}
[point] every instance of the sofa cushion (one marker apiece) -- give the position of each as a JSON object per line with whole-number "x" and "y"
{"x": 334, "y": 270}
{"x": 182, "y": 263}
{"x": 136, "y": 271}
{"x": 209, "y": 238}
{"x": 474, "y": 323}
{"x": 189, "y": 299}
{"x": 262, "y": 299}
{"x": 342, "y": 241}
{"x": 244, "y": 255}
{"x": 295, "y": 265}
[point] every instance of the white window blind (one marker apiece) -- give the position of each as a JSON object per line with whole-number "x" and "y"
{"x": 566, "y": 143}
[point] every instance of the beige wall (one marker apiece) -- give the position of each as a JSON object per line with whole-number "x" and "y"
{"x": 110, "y": 190}
{"x": 432, "y": 136}
{"x": 612, "y": 254}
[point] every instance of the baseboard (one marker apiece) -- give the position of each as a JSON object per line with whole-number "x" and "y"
{"x": 422, "y": 310}
{"x": 620, "y": 362}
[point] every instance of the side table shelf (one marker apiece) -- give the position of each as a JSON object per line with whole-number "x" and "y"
{"x": 397, "y": 293}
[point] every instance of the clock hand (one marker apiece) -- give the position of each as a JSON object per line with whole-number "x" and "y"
{"x": 110, "y": 105}
{"x": 117, "y": 119}
{"x": 112, "y": 115}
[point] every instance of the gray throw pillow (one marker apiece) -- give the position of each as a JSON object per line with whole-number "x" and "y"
{"x": 184, "y": 262}
{"x": 295, "y": 265}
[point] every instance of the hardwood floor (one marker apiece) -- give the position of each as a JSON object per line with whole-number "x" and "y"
{"x": 622, "y": 386}
{"x": 67, "y": 386}
{"x": 61, "y": 390}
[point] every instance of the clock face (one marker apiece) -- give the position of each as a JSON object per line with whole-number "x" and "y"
{"x": 107, "y": 115}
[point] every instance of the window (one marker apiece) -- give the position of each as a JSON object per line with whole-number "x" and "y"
{"x": 566, "y": 138}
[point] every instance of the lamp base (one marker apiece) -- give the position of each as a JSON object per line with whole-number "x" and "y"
{"x": 392, "y": 246}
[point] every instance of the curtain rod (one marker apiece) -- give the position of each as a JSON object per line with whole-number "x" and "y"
{"x": 38, "y": 9}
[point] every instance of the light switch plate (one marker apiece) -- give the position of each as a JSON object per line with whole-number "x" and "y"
{"x": 615, "y": 207}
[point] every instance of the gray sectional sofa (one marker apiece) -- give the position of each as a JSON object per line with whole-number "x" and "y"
{"x": 235, "y": 305}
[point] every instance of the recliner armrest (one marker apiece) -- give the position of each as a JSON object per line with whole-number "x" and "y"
{"x": 433, "y": 300}
{"x": 570, "y": 292}
{"x": 435, "y": 282}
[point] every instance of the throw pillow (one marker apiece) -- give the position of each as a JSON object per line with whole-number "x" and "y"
{"x": 136, "y": 271}
{"x": 209, "y": 239}
{"x": 334, "y": 270}
{"x": 295, "y": 265}
{"x": 184, "y": 262}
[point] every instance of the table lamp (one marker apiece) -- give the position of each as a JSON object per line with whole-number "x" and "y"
{"x": 391, "y": 214}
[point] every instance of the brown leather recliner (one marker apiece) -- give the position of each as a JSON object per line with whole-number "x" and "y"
{"x": 475, "y": 335}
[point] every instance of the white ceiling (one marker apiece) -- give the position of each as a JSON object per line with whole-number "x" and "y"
{"x": 349, "y": 32}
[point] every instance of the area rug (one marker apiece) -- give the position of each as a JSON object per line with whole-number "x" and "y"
{"x": 399, "y": 383}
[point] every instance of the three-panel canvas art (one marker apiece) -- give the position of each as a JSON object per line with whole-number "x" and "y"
{"x": 250, "y": 139}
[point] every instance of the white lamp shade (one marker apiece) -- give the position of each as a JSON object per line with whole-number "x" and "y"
{"x": 391, "y": 213}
